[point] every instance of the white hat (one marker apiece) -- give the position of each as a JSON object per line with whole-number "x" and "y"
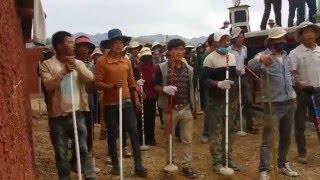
{"x": 134, "y": 44}
{"x": 189, "y": 46}
{"x": 236, "y": 32}
{"x": 218, "y": 35}
{"x": 154, "y": 44}
{"x": 304, "y": 25}
{"x": 96, "y": 51}
{"x": 276, "y": 32}
{"x": 145, "y": 51}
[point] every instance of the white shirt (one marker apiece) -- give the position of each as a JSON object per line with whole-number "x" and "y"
{"x": 307, "y": 63}
{"x": 241, "y": 56}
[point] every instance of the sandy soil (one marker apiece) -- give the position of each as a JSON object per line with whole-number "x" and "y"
{"x": 246, "y": 154}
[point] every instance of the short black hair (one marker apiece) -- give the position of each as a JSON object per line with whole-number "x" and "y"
{"x": 58, "y": 38}
{"x": 210, "y": 39}
{"x": 174, "y": 43}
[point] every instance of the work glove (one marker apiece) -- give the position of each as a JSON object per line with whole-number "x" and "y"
{"x": 170, "y": 90}
{"x": 141, "y": 82}
{"x": 225, "y": 84}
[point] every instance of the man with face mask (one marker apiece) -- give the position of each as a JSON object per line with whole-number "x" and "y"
{"x": 279, "y": 101}
{"x": 216, "y": 84}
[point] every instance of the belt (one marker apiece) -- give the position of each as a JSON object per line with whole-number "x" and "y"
{"x": 117, "y": 103}
{"x": 282, "y": 103}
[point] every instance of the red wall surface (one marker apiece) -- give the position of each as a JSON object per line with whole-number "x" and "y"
{"x": 30, "y": 63}
{"x": 16, "y": 152}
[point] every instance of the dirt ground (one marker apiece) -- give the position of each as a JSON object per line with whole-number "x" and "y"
{"x": 246, "y": 154}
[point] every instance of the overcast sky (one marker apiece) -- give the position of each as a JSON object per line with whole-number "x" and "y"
{"x": 188, "y": 18}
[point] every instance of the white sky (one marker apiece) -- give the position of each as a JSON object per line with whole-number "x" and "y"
{"x": 188, "y": 18}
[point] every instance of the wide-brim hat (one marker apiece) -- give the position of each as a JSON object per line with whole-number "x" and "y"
{"x": 218, "y": 35}
{"x": 276, "y": 33}
{"x": 236, "y": 32}
{"x": 85, "y": 40}
{"x": 145, "y": 51}
{"x": 96, "y": 51}
{"x": 156, "y": 45}
{"x": 305, "y": 25}
{"x": 135, "y": 44}
{"x": 116, "y": 34}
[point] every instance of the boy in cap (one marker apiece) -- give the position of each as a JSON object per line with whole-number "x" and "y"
{"x": 215, "y": 81}
{"x": 114, "y": 71}
{"x": 305, "y": 66}
{"x": 239, "y": 50}
{"x": 279, "y": 101}
{"x": 174, "y": 80}
{"x": 56, "y": 74}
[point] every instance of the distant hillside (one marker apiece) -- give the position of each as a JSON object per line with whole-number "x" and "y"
{"x": 97, "y": 38}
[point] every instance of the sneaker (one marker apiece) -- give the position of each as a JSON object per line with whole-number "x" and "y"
{"x": 126, "y": 153}
{"x": 302, "y": 159}
{"x": 288, "y": 171}
{"x": 218, "y": 168}
{"x": 204, "y": 139}
{"x": 115, "y": 171}
{"x": 264, "y": 175}
{"x": 141, "y": 172}
{"x": 189, "y": 173}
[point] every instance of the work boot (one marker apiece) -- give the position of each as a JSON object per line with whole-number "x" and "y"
{"x": 189, "y": 173}
{"x": 288, "y": 171}
{"x": 141, "y": 172}
{"x": 264, "y": 175}
{"x": 302, "y": 159}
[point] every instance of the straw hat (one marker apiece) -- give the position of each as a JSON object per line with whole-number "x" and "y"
{"x": 155, "y": 45}
{"x": 236, "y": 32}
{"x": 145, "y": 51}
{"x": 276, "y": 33}
{"x": 305, "y": 25}
{"x": 134, "y": 44}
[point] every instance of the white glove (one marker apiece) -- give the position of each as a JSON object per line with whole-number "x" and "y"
{"x": 170, "y": 90}
{"x": 225, "y": 84}
{"x": 141, "y": 82}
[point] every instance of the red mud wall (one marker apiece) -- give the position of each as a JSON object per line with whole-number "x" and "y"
{"x": 30, "y": 63}
{"x": 16, "y": 152}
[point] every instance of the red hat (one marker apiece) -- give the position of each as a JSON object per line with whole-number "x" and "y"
{"x": 85, "y": 40}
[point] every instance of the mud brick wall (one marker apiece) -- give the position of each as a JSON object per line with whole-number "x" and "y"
{"x": 16, "y": 152}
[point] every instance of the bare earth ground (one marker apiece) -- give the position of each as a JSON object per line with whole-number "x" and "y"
{"x": 246, "y": 154}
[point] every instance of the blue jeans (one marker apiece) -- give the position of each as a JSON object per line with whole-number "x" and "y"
{"x": 61, "y": 130}
{"x": 129, "y": 126}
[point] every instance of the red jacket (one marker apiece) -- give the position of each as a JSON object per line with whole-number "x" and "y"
{"x": 147, "y": 71}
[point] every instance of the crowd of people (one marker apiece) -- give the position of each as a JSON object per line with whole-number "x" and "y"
{"x": 165, "y": 79}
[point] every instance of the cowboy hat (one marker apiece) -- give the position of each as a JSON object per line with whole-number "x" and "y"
{"x": 155, "y": 45}
{"x": 116, "y": 34}
{"x": 305, "y": 25}
{"x": 236, "y": 32}
{"x": 145, "y": 51}
{"x": 134, "y": 44}
{"x": 85, "y": 40}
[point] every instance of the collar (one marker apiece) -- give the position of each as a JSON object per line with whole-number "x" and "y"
{"x": 110, "y": 60}
{"x": 304, "y": 48}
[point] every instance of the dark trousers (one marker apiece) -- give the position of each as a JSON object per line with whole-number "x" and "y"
{"x": 160, "y": 111}
{"x": 267, "y": 9}
{"x": 149, "y": 107}
{"x": 304, "y": 103}
{"x": 61, "y": 130}
{"x": 89, "y": 122}
{"x": 247, "y": 102}
{"x": 279, "y": 123}
{"x": 312, "y": 5}
{"x": 300, "y": 13}
{"x": 203, "y": 97}
{"x": 129, "y": 125}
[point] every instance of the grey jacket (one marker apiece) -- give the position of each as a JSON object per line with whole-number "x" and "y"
{"x": 163, "y": 100}
{"x": 280, "y": 77}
